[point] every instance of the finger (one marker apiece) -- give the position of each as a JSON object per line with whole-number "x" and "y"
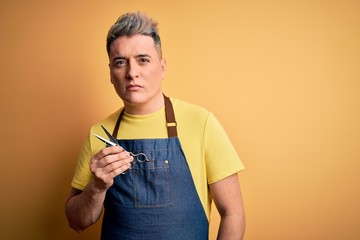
{"x": 98, "y": 157}
{"x": 110, "y": 162}
{"x": 110, "y": 159}
{"x": 106, "y": 175}
{"x": 118, "y": 164}
{"x": 111, "y": 170}
{"x": 120, "y": 170}
{"x": 108, "y": 151}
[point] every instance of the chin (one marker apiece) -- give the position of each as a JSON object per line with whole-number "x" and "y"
{"x": 133, "y": 98}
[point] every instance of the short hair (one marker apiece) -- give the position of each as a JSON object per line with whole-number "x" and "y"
{"x": 130, "y": 24}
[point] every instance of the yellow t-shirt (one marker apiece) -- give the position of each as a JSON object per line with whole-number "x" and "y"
{"x": 208, "y": 150}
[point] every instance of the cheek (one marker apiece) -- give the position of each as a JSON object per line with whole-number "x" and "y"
{"x": 158, "y": 73}
{"x": 116, "y": 77}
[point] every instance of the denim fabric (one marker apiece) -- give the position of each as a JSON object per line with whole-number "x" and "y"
{"x": 154, "y": 200}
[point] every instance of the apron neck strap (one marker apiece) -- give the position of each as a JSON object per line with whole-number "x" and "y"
{"x": 170, "y": 119}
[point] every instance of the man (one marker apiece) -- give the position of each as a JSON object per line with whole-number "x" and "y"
{"x": 173, "y": 157}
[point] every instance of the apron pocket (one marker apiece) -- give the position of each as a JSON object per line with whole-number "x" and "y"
{"x": 152, "y": 184}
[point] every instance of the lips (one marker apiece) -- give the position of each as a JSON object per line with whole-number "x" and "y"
{"x": 133, "y": 87}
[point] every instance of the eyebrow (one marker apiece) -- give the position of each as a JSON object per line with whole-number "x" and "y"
{"x": 143, "y": 55}
{"x": 117, "y": 58}
{"x": 137, "y": 56}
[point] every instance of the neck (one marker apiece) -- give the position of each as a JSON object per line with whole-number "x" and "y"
{"x": 147, "y": 107}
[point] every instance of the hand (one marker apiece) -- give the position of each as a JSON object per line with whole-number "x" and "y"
{"x": 109, "y": 163}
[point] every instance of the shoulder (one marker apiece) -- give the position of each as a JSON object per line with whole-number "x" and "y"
{"x": 108, "y": 122}
{"x": 185, "y": 109}
{"x": 192, "y": 120}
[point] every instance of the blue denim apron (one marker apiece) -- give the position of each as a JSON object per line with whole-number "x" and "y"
{"x": 156, "y": 199}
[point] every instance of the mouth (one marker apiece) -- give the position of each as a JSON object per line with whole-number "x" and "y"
{"x": 133, "y": 87}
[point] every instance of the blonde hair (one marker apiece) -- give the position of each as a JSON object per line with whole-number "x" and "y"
{"x": 130, "y": 24}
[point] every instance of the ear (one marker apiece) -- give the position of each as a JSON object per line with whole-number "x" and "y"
{"x": 111, "y": 79}
{"x": 163, "y": 67}
{"x": 110, "y": 75}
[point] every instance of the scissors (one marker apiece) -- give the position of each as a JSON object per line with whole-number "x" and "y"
{"x": 140, "y": 157}
{"x": 111, "y": 142}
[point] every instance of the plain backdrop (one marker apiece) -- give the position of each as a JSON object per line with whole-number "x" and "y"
{"x": 283, "y": 77}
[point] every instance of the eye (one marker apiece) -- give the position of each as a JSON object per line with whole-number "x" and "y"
{"x": 120, "y": 63}
{"x": 143, "y": 60}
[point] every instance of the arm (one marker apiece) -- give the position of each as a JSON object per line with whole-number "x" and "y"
{"x": 84, "y": 208}
{"x": 228, "y": 200}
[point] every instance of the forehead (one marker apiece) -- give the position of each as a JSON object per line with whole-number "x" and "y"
{"x": 128, "y": 46}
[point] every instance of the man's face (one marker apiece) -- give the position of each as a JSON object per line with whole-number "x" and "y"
{"x": 137, "y": 72}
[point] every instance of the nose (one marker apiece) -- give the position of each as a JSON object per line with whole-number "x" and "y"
{"x": 132, "y": 70}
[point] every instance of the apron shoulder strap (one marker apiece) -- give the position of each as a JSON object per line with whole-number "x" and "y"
{"x": 170, "y": 118}
{"x": 117, "y": 125}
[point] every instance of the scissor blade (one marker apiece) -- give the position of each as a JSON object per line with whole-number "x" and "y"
{"x": 112, "y": 139}
{"x": 105, "y": 140}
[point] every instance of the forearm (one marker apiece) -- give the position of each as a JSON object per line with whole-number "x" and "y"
{"x": 84, "y": 209}
{"x": 232, "y": 227}
{"x": 228, "y": 200}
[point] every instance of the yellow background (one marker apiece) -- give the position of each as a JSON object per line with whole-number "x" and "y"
{"x": 283, "y": 77}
